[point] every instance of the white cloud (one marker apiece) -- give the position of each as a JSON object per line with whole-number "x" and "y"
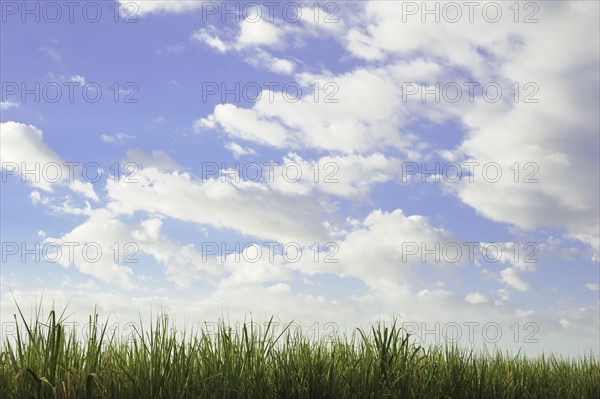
{"x": 255, "y": 35}
{"x": 511, "y": 277}
{"x": 184, "y": 264}
{"x": 23, "y": 148}
{"x": 593, "y": 287}
{"x": 565, "y": 323}
{"x": 348, "y": 176}
{"x": 10, "y": 282}
{"x": 36, "y": 198}
{"x": 503, "y": 294}
{"x": 262, "y": 59}
{"x": 252, "y": 36}
{"x": 266, "y": 214}
{"x": 319, "y": 120}
{"x": 119, "y": 138}
{"x": 376, "y": 249}
{"x": 476, "y": 298}
{"x": 99, "y": 231}
{"x": 244, "y": 273}
{"x": 244, "y": 124}
{"x": 259, "y": 33}
{"x": 6, "y": 105}
{"x": 370, "y": 252}
{"x": 121, "y": 247}
{"x": 24, "y": 153}
{"x": 524, "y": 313}
{"x": 386, "y": 32}
{"x": 77, "y": 78}
{"x": 63, "y": 205}
{"x": 134, "y": 9}
{"x": 509, "y": 132}
{"x": 237, "y": 150}
{"x": 209, "y": 37}
{"x": 86, "y": 189}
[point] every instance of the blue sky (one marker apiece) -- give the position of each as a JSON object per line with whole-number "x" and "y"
{"x": 165, "y": 91}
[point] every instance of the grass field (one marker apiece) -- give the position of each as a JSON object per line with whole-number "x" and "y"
{"x": 44, "y": 361}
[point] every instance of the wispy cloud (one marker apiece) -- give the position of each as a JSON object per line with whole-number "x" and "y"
{"x": 118, "y": 138}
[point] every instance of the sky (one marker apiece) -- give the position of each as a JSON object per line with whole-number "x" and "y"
{"x": 333, "y": 164}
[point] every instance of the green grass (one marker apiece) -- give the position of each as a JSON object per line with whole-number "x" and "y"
{"x": 44, "y": 360}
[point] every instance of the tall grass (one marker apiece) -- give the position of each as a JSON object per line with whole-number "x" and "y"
{"x": 44, "y": 360}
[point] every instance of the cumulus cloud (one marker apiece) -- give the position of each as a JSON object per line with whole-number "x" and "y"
{"x": 24, "y": 153}
{"x": 530, "y": 133}
{"x": 365, "y": 134}
{"x": 108, "y": 249}
{"x": 257, "y": 35}
{"x": 87, "y": 247}
{"x": 184, "y": 264}
{"x": 319, "y": 119}
{"x": 266, "y": 214}
{"x": 379, "y": 249}
{"x": 251, "y": 35}
{"x": 23, "y": 148}
{"x": 347, "y": 176}
{"x": 261, "y": 29}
